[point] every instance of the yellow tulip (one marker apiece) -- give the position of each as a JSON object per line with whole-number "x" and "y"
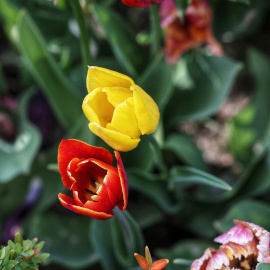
{"x": 119, "y": 111}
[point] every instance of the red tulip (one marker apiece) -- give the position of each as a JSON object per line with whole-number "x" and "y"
{"x": 141, "y": 3}
{"x": 96, "y": 185}
{"x": 194, "y": 30}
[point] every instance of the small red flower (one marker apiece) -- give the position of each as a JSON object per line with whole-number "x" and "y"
{"x": 194, "y": 30}
{"x": 141, "y": 3}
{"x": 97, "y": 186}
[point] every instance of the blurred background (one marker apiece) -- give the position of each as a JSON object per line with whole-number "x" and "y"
{"x": 211, "y": 160}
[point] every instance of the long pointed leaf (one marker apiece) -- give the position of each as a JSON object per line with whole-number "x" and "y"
{"x": 46, "y": 71}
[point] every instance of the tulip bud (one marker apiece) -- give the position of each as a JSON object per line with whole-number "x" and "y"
{"x": 119, "y": 111}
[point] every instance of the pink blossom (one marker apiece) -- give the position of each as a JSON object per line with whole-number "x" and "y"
{"x": 243, "y": 247}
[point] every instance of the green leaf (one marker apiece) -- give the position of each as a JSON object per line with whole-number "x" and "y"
{"x": 238, "y": 19}
{"x": 11, "y": 244}
{"x": 17, "y": 157}
{"x": 263, "y": 266}
{"x": 122, "y": 40}
{"x": 149, "y": 213}
{"x": 101, "y": 239}
{"x": 42, "y": 256}
{"x": 156, "y": 80}
{"x": 45, "y": 70}
{"x": 188, "y": 175}
{"x": 127, "y": 237}
{"x": 141, "y": 157}
{"x": 40, "y": 245}
{"x": 154, "y": 187}
{"x": 252, "y": 123}
{"x": 209, "y": 82}
{"x": 261, "y": 172}
{"x": 9, "y": 14}
{"x": 256, "y": 212}
{"x": 27, "y": 244}
{"x": 67, "y": 243}
{"x": 18, "y": 248}
{"x": 11, "y": 264}
{"x": 186, "y": 150}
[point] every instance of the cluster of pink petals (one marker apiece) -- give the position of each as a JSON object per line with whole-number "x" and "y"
{"x": 243, "y": 247}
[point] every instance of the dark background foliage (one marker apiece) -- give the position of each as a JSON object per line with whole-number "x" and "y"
{"x": 213, "y": 137}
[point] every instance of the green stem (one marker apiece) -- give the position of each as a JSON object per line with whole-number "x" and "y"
{"x": 158, "y": 157}
{"x": 155, "y": 28}
{"x": 119, "y": 215}
{"x": 84, "y": 39}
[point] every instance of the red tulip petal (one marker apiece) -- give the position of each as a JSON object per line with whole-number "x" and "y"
{"x": 69, "y": 149}
{"x": 141, "y": 3}
{"x": 123, "y": 181}
{"x": 77, "y": 199}
{"x": 141, "y": 261}
{"x": 108, "y": 195}
{"x": 69, "y": 203}
{"x": 160, "y": 264}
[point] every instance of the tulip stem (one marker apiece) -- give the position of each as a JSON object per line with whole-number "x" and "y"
{"x": 84, "y": 38}
{"x": 155, "y": 29}
{"x": 119, "y": 215}
{"x": 157, "y": 154}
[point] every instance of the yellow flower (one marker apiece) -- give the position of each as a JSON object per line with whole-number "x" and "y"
{"x": 119, "y": 111}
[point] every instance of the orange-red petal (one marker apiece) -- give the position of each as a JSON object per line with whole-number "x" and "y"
{"x": 141, "y": 261}
{"x": 123, "y": 181}
{"x": 160, "y": 264}
{"x": 69, "y": 149}
{"x": 69, "y": 203}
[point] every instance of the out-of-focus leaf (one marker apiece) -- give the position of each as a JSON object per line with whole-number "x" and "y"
{"x": 252, "y": 123}
{"x": 16, "y": 158}
{"x": 45, "y": 70}
{"x": 65, "y": 238}
{"x": 210, "y": 80}
{"x": 246, "y": 210}
{"x": 148, "y": 215}
{"x": 127, "y": 238}
{"x": 3, "y": 84}
{"x": 263, "y": 266}
{"x": 157, "y": 82}
{"x": 189, "y": 249}
{"x": 122, "y": 40}
{"x": 9, "y": 14}
{"x": 155, "y": 187}
{"x": 186, "y": 150}
{"x": 189, "y": 175}
{"x": 141, "y": 157}
{"x": 101, "y": 239}
{"x": 257, "y": 181}
{"x": 13, "y": 194}
{"x": 237, "y": 19}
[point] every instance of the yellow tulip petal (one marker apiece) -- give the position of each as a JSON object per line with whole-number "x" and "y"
{"x": 146, "y": 110}
{"x": 117, "y": 95}
{"x": 124, "y": 119}
{"x": 97, "y": 108}
{"x": 102, "y": 77}
{"x": 116, "y": 140}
